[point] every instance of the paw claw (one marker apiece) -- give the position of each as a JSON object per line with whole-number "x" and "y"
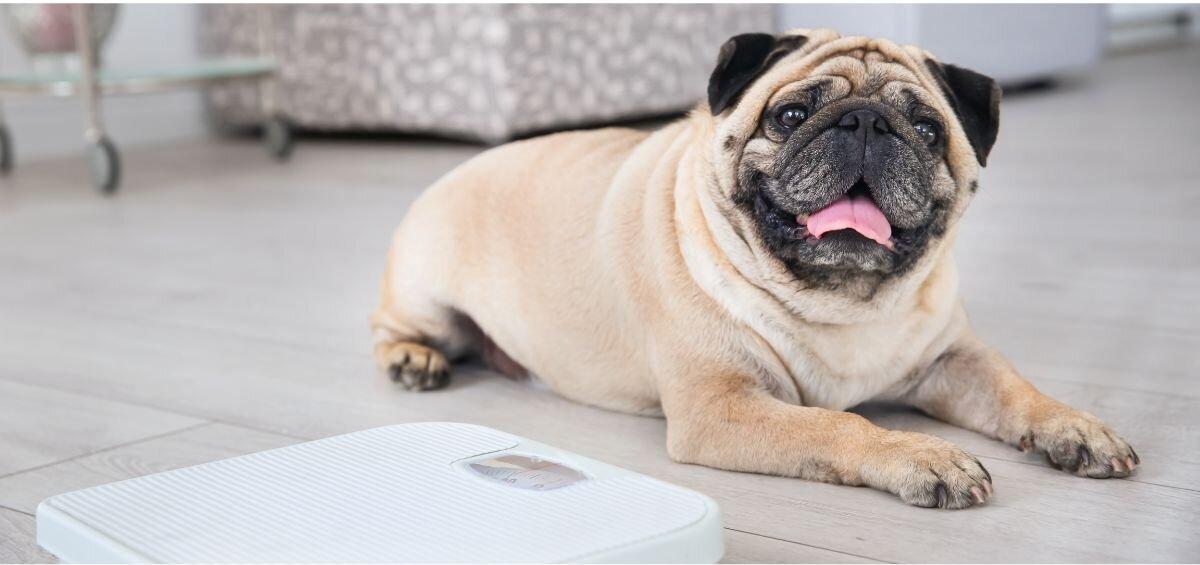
{"x": 935, "y": 474}
{"x": 1079, "y": 443}
{"x": 1085, "y": 456}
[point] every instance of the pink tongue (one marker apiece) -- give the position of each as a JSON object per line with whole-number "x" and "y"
{"x": 858, "y": 213}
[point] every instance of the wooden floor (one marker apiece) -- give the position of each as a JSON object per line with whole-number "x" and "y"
{"x": 218, "y": 306}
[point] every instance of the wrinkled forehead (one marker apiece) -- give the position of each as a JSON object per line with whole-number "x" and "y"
{"x": 863, "y": 66}
{"x": 866, "y": 71}
{"x": 869, "y": 74}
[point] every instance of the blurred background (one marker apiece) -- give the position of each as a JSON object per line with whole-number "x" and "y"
{"x": 212, "y": 300}
{"x": 490, "y": 73}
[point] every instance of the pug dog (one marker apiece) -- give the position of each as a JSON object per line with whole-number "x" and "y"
{"x": 749, "y": 272}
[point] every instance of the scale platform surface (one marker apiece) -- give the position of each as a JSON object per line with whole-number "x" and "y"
{"x": 427, "y": 492}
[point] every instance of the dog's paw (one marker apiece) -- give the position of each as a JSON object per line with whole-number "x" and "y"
{"x": 417, "y": 367}
{"x": 933, "y": 473}
{"x": 1081, "y": 444}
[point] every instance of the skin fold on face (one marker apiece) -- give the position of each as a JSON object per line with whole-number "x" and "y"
{"x": 857, "y": 128}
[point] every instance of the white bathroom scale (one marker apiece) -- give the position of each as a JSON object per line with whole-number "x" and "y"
{"x": 428, "y": 492}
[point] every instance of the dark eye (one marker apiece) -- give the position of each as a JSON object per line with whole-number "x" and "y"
{"x": 927, "y": 131}
{"x": 791, "y": 115}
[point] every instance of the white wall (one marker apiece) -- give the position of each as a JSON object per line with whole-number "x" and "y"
{"x": 1141, "y": 25}
{"x": 145, "y": 36}
{"x": 897, "y": 22}
{"x": 1010, "y": 42}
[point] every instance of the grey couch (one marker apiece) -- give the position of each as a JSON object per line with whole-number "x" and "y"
{"x": 486, "y": 72}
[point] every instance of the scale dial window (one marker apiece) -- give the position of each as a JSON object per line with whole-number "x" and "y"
{"x": 526, "y": 472}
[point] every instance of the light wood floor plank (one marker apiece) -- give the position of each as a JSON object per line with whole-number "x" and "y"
{"x": 41, "y": 425}
{"x": 18, "y": 539}
{"x": 742, "y": 547}
{"x": 24, "y": 491}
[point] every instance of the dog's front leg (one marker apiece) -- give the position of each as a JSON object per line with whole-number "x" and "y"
{"x": 973, "y": 386}
{"x": 730, "y": 422}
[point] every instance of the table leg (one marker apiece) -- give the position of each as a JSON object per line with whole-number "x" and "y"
{"x": 105, "y": 161}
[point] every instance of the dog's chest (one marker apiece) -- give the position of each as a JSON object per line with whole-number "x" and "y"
{"x": 837, "y": 367}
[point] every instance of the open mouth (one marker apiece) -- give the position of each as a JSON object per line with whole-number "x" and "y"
{"x": 854, "y": 216}
{"x": 855, "y": 211}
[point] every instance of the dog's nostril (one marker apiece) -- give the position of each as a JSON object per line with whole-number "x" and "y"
{"x": 862, "y": 120}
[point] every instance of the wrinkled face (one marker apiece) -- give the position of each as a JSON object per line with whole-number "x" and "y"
{"x": 847, "y": 174}
{"x": 847, "y": 170}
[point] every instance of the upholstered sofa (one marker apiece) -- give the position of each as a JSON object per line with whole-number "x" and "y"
{"x": 485, "y": 72}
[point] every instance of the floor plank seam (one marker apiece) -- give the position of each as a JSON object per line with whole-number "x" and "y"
{"x": 855, "y": 555}
{"x": 1075, "y": 320}
{"x": 18, "y": 511}
{"x": 1041, "y": 466}
{"x": 207, "y": 419}
{"x": 109, "y": 448}
{"x": 224, "y": 332}
{"x": 1184, "y": 489}
{"x": 1115, "y": 387}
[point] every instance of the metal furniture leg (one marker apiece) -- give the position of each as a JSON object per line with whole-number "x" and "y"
{"x": 277, "y": 132}
{"x": 105, "y": 161}
{"x": 6, "y": 146}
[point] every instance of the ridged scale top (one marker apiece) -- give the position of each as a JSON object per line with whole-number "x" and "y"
{"x": 382, "y": 495}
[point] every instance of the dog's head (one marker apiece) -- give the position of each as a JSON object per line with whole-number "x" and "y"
{"x": 846, "y": 158}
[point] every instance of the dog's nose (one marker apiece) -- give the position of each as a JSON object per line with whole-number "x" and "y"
{"x": 863, "y": 121}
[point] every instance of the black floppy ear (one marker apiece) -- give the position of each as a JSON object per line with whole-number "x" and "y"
{"x": 741, "y": 60}
{"x": 976, "y": 102}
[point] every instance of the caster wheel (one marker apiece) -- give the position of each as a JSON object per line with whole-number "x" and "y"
{"x": 105, "y": 165}
{"x": 6, "y": 151}
{"x": 277, "y": 135}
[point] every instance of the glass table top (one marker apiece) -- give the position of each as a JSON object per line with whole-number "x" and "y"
{"x": 214, "y": 69}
